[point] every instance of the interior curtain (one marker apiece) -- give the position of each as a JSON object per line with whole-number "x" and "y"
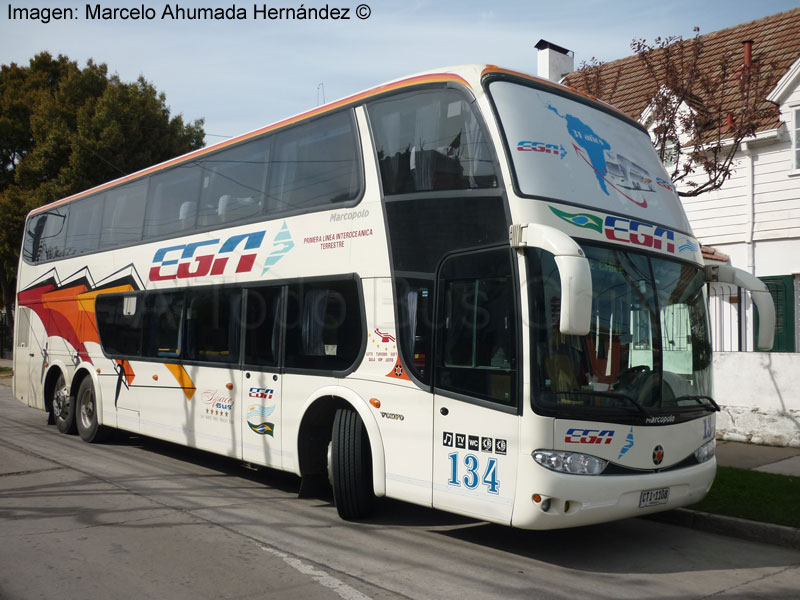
{"x": 314, "y": 307}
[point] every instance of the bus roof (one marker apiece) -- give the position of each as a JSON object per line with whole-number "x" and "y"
{"x": 467, "y": 75}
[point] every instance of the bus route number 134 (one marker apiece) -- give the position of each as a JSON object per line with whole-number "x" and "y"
{"x": 472, "y": 473}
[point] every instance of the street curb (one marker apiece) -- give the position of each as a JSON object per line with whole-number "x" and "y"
{"x": 755, "y": 531}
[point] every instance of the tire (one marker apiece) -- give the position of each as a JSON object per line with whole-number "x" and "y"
{"x": 89, "y": 428}
{"x": 63, "y": 407}
{"x": 351, "y": 466}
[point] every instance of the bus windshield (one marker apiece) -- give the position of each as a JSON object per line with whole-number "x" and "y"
{"x": 575, "y": 152}
{"x": 648, "y": 353}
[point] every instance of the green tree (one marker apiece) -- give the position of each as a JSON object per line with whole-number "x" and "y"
{"x": 64, "y": 129}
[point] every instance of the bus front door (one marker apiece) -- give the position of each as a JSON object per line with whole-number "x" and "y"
{"x": 476, "y": 422}
{"x": 474, "y": 459}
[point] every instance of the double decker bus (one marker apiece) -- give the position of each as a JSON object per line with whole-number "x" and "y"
{"x": 431, "y": 291}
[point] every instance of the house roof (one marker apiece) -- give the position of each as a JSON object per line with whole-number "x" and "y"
{"x": 627, "y": 84}
{"x": 710, "y": 253}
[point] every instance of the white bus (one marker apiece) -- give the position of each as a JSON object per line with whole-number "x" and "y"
{"x": 429, "y": 291}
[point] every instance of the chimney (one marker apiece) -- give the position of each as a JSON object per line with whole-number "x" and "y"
{"x": 554, "y": 62}
{"x": 748, "y": 53}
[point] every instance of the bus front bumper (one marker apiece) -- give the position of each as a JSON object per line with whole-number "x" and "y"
{"x": 552, "y": 500}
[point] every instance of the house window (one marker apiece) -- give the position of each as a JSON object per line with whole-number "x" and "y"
{"x": 782, "y": 291}
{"x": 796, "y": 138}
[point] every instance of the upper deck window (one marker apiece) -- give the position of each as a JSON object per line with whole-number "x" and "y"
{"x": 123, "y": 216}
{"x": 573, "y": 152}
{"x": 315, "y": 165}
{"x": 45, "y": 235}
{"x": 309, "y": 167}
{"x": 430, "y": 140}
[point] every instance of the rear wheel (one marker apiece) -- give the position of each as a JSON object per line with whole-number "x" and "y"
{"x": 351, "y": 466}
{"x": 89, "y": 428}
{"x": 63, "y": 407}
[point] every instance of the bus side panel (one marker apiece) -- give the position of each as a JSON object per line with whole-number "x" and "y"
{"x": 166, "y": 401}
{"x": 403, "y": 411}
{"x": 215, "y": 410}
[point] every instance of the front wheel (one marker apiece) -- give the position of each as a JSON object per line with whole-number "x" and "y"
{"x": 351, "y": 466}
{"x": 89, "y": 428}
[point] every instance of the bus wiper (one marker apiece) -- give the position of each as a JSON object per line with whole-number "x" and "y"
{"x": 625, "y": 397}
{"x": 710, "y": 405}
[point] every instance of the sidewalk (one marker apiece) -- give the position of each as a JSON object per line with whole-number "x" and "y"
{"x": 769, "y": 459}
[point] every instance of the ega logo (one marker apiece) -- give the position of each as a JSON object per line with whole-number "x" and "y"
{"x": 641, "y": 234}
{"x": 589, "y": 436}
{"x": 529, "y": 146}
{"x": 206, "y": 257}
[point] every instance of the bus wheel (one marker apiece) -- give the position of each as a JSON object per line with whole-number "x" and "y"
{"x": 63, "y": 407}
{"x": 351, "y": 466}
{"x": 86, "y": 413}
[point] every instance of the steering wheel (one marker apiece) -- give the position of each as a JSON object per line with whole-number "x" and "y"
{"x": 633, "y": 370}
{"x": 653, "y": 383}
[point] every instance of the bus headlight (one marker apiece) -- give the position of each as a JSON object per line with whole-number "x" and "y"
{"x": 570, "y": 462}
{"x": 706, "y": 451}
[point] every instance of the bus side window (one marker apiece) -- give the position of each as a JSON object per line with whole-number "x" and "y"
{"x": 430, "y": 140}
{"x": 315, "y": 164}
{"x": 83, "y": 225}
{"x": 163, "y": 324}
{"x": 45, "y": 235}
{"x": 234, "y": 184}
{"x": 172, "y": 200}
{"x": 323, "y": 325}
{"x": 123, "y": 216}
{"x": 119, "y": 323}
{"x": 262, "y": 326}
{"x": 212, "y": 325}
{"x": 476, "y": 351}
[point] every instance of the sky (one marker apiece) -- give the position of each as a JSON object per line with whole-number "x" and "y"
{"x": 243, "y": 74}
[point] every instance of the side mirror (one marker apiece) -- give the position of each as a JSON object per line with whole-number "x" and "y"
{"x": 573, "y": 270}
{"x": 724, "y": 273}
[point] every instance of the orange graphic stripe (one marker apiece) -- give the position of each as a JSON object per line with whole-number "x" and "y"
{"x": 183, "y": 379}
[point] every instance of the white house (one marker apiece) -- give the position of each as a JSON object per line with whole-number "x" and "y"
{"x": 754, "y": 219}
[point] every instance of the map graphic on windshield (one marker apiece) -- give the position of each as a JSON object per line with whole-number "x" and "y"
{"x": 608, "y": 167}
{"x": 587, "y": 139}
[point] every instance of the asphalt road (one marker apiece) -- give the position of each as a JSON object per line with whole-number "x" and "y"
{"x": 139, "y": 518}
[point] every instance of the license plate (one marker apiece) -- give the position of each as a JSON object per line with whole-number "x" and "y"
{"x": 653, "y": 497}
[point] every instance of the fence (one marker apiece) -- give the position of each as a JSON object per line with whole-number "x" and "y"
{"x": 730, "y": 311}
{"x": 6, "y": 338}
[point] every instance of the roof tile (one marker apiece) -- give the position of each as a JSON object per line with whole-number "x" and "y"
{"x": 776, "y": 43}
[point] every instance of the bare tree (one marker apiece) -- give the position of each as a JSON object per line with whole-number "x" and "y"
{"x": 703, "y": 104}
